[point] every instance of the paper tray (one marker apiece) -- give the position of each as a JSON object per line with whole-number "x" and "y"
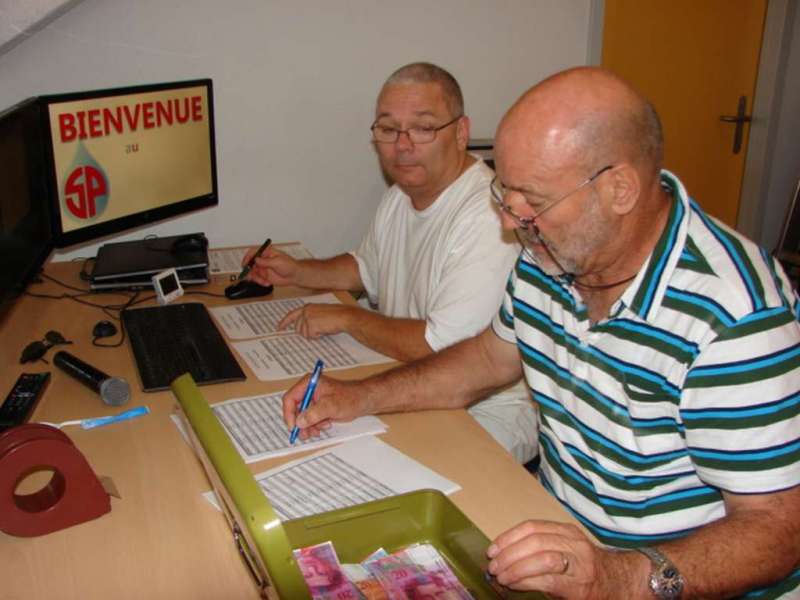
{"x": 266, "y": 544}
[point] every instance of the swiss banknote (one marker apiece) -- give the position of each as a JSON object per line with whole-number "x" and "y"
{"x": 323, "y": 573}
{"x": 415, "y": 572}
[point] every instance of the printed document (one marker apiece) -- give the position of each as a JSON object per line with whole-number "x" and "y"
{"x": 289, "y": 355}
{"x": 257, "y": 430}
{"x": 254, "y": 319}
{"x": 229, "y": 260}
{"x": 357, "y": 471}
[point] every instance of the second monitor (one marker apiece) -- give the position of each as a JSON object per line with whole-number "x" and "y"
{"x": 125, "y": 157}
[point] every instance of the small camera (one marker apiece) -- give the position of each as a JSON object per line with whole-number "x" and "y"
{"x": 167, "y": 286}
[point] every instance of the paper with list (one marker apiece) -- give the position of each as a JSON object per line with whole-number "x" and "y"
{"x": 357, "y": 471}
{"x": 229, "y": 260}
{"x": 254, "y": 319}
{"x": 285, "y": 354}
{"x": 257, "y": 430}
{"x": 290, "y": 355}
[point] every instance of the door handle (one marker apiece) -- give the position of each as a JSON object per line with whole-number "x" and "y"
{"x": 740, "y": 118}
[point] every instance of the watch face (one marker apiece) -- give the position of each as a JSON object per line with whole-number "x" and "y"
{"x": 667, "y": 583}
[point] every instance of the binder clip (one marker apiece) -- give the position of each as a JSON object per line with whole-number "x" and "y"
{"x": 73, "y": 495}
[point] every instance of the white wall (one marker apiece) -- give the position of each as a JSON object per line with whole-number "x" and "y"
{"x": 20, "y": 20}
{"x": 295, "y": 85}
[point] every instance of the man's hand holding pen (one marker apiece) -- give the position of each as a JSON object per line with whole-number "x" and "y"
{"x": 333, "y": 400}
{"x": 273, "y": 267}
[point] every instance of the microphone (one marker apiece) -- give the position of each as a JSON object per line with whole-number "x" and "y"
{"x": 113, "y": 390}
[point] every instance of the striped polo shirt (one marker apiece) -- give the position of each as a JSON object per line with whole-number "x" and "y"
{"x": 689, "y": 387}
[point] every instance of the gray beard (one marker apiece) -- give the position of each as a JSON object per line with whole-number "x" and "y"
{"x": 583, "y": 238}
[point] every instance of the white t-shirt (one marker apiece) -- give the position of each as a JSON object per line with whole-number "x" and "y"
{"x": 447, "y": 264}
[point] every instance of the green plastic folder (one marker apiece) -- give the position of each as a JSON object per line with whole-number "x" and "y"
{"x": 266, "y": 544}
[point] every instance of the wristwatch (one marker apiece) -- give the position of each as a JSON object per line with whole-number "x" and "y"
{"x": 665, "y": 580}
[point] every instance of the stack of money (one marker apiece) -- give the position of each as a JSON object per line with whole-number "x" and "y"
{"x": 418, "y": 571}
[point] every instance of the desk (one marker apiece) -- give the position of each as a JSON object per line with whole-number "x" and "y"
{"x": 162, "y": 539}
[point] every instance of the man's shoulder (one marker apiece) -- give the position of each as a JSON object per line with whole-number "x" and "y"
{"x": 470, "y": 191}
{"x": 720, "y": 266}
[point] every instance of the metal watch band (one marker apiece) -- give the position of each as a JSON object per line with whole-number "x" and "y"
{"x": 665, "y": 580}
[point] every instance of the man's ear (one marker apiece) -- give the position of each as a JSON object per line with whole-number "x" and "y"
{"x": 462, "y": 132}
{"x": 623, "y": 186}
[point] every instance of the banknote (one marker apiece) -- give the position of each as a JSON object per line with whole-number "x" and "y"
{"x": 428, "y": 558}
{"x": 323, "y": 574}
{"x": 404, "y": 580}
{"x": 370, "y": 588}
{"x": 417, "y": 572}
{"x": 379, "y": 553}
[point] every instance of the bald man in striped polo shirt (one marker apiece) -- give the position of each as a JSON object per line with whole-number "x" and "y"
{"x": 662, "y": 349}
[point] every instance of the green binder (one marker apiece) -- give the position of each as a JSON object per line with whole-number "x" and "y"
{"x": 266, "y": 544}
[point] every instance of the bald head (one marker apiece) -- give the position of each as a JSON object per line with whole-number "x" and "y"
{"x": 586, "y": 118}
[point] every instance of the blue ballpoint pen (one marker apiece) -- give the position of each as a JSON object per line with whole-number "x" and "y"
{"x": 312, "y": 385}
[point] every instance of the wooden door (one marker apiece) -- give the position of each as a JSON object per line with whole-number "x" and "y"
{"x": 693, "y": 59}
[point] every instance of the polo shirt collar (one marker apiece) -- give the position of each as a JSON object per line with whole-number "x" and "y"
{"x": 645, "y": 294}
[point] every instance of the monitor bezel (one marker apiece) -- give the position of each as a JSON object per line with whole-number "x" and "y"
{"x": 61, "y": 238}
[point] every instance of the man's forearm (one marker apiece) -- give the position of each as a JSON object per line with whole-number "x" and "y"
{"x": 402, "y": 339}
{"x": 452, "y": 378}
{"x": 335, "y": 273}
{"x": 756, "y": 544}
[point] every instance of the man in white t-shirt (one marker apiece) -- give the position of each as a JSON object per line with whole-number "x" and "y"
{"x": 434, "y": 260}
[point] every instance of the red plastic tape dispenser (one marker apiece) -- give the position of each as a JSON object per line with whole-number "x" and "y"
{"x": 73, "y": 495}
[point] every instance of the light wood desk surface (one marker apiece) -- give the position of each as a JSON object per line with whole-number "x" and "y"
{"x": 162, "y": 539}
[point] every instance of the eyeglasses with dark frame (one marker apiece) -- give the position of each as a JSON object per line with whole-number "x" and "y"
{"x": 36, "y": 350}
{"x": 417, "y": 135}
{"x": 499, "y": 192}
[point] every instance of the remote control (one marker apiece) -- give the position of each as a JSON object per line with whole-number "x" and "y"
{"x": 22, "y": 399}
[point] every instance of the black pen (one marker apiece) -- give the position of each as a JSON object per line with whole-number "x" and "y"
{"x": 252, "y": 260}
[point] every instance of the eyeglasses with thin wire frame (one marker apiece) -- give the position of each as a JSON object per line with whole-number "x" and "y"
{"x": 499, "y": 192}
{"x": 417, "y": 135}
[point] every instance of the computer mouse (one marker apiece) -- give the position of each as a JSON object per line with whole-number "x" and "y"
{"x": 246, "y": 289}
{"x": 104, "y": 329}
{"x": 190, "y": 243}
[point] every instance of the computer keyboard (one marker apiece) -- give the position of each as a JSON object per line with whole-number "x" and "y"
{"x": 168, "y": 341}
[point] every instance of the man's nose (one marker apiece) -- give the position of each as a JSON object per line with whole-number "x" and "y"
{"x": 516, "y": 209}
{"x": 404, "y": 141}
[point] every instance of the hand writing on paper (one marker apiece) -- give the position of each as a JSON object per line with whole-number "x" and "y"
{"x": 554, "y": 558}
{"x": 333, "y": 401}
{"x": 273, "y": 267}
{"x": 316, "y": 320}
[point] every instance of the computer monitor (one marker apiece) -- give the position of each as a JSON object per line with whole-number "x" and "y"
{"x": 126, "y": 157}
{"x": 25, "y": 228}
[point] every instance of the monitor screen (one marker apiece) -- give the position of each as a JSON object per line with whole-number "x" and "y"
{"x": 130, "y": 156}
{"x": 25, "y": 228}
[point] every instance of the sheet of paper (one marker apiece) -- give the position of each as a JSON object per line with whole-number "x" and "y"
{"x": 229, "y": 260}
{"x": 254, "y": 319}
{"x": 357, "y": 471}
{"x": 290, "y": 355}
{"x": 256, "y": 427}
